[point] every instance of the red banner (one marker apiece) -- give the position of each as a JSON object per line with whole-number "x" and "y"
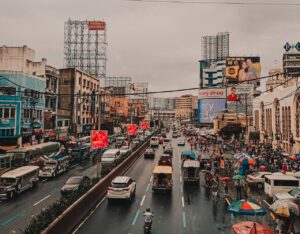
{"x": 132, "y": 129}
{"x": 96, "y": 25}
{"x": 144, "y": 125}
{"x": 99, "y": 139}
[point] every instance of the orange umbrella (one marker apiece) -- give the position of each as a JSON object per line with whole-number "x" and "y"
{"x": 225, "y": 178}
{"x": 249, "y": 227}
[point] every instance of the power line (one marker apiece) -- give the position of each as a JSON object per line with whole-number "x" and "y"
{"x": 218, "y": 3}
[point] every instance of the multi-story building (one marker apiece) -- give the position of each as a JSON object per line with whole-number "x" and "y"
{"x": 117, "y": 85}
{"x": 79, "y": 100}
{"x": 162, "y": 103}
{"x": 163, "y": 114}
{"x": 277, "y": 114}
{"x": 21, "y": 108}
{"x": 291, "y": 61}
{"x": 213, "y": 75}
{"x": 119, "y": 109}
{"x": 183, "y": 106}
{"x": 51, "y": 102}
{"x": 21, "y": 59}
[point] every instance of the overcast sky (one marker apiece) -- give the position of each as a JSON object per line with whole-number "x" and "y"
{"x": 158, "y": 43}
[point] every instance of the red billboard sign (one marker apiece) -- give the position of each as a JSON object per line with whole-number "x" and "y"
{"x": 96, "y": 25}
{"x": 99, "y": 139}
{"x": 144, "y": 125}
{"x": 132, "y": 129}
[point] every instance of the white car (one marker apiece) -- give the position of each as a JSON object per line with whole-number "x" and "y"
{"x": 181, "y": 142}
{"x": 292, "y": 194}
{"x": 124, "y": 149}
{"x": 257, "y": 179}
{"x": 122, "y": 187}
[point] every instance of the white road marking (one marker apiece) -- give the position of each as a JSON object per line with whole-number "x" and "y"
{"x": 40, "y": 201}
{"x": 180, "y": 179}
{"x": 182, "y": 201}
{"x": 151, "y": 178}
{"x": 143, "y": 199}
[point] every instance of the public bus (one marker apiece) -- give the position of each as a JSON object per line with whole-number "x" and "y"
{"x": 25, "y": 155}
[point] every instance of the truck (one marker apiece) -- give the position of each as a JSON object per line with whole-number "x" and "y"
{"x": 54, "y": 166}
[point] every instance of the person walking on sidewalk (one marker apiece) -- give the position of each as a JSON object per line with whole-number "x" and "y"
{"x": 238, "y": 188}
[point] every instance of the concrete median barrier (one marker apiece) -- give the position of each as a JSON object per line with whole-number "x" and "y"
{"x": 76, "y": 213}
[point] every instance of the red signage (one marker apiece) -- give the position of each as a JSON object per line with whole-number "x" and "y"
{"x": 99, "y": 139}
{"x": 96, "y": 25}
{"x": 132, "y": 129}
{"x": 144, "y": 125}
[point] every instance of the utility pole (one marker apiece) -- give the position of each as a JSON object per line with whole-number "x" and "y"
{"x": 99, "y": 128}
{"x": 246, "y": 102}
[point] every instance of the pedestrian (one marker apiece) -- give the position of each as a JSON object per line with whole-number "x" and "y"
{"x": 238, "y": 190}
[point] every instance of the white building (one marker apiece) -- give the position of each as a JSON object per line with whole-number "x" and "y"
{"x": 277, "y": 113}
{"x": 213, "y": 76}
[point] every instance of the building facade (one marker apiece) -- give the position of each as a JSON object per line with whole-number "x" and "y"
{"x": 21, "y": 59}
{"x": 21, "y": 108}
{"x": 163, "y": 114}
{"x": 162, "y": 103}
{"x": 213, "y": 76}
{"x": 79, "y": 100}
{"x": 119, "y": 110}
{"x": 184, "y": 106}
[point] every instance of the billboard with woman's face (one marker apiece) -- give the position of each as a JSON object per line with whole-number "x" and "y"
{"x": 243, "y": 70}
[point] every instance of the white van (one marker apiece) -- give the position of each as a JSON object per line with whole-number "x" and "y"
{"x": 109, "y": 156}
{"x": 154, "y": 142}
{"x": 17, "y": 181}
{"x": 279, "y": 184}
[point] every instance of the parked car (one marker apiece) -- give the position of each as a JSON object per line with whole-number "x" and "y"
{"x": 124, "y": 149}
{"x": 122, "y": 187}
{"x": 257, "y": 179}
{"x": 181, "y": 142}
{"x": 149, "y": 153}
{"x": 292, "y": 194}
{"x": 75, "y": 183}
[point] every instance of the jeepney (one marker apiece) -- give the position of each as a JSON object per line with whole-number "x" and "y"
{"x": 55, "y": 166}
{"x": 162, "y": 179}
{"x": 190, "y": 171}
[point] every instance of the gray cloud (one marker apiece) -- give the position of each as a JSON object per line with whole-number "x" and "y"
{"x": 158, "y": 43}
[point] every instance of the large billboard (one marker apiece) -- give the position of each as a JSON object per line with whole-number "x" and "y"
{"x": 209, "y": 108}
{"x": 210, "y": 103}
{"x": 239, "y": 97}
{"x": 96, "y": 25}
{"x": 243, "y": 70}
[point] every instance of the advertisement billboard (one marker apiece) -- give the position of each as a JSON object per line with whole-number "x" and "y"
{"x": 208, "y": 109}
{"x": 239, "y": 97}
{"x": 243, "y": 70}
{"x": 96, "y": 25}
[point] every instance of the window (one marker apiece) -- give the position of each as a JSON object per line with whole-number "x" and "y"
{"x": 297, "y": 116}
{"x": 12, "y": 112}
{"x": 66, "y": 123}
{"x": 277, "y": 116}
{"x": 59, "y": 123}
{"x": 6, "y": 113}
{"x": 8, "y": 91}
{"x": 289, "y": 183}
{"x": 256, "y": 120}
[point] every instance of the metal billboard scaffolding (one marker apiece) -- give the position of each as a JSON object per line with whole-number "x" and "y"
{"x": 85, "y": 46}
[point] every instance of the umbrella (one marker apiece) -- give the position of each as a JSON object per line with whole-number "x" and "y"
{"x": 225, "y": 178}
{"x": 293, "y": 157}
{"x": 238, "y": 177}
{"x": 248, "y": 227}
{"x": 246, "y": 207}
{"x": 285, "y": 208}
{"x": 247, "y": 161}
{"x": 188, "y": 154}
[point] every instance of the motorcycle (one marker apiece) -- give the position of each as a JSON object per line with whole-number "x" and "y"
{"x": 148, "y": 221}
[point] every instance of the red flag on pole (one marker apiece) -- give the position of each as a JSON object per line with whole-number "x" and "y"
{"x": 99, "y": 139}
{"x": 144, "y": 125}
{"x": 132, "y": 129}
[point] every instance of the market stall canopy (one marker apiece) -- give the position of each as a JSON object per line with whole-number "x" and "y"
{"x": 248, "y": 227}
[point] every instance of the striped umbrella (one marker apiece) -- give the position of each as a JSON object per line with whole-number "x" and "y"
{"x": 246, "y": 207}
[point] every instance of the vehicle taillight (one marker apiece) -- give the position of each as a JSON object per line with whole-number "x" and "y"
{"x": 125, "y": 189}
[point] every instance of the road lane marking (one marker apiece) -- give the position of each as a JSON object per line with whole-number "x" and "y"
{"x": 181, "y": 188}
{"x": 148, "y": 187}
{"x": 135, "y": 218}
{"x": 40, "y": 201}
{"x": 183, "y": 219}
{"x": 143, "y": 199}
{"x": 151, "y": 178}
{"x": 180, "y": 179}
{"x": 182, "y": 201}
{"x": 17, "y": 215}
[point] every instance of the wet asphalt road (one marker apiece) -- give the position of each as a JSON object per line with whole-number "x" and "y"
{"x": 189, "y": 209}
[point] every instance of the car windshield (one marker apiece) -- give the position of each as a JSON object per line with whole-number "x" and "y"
{"x": 295, "y": 192}
{"x": 119, "y": 185}
{"x": 74, "y": 180}
{"x": 50, "y": 164}
{"x": 166, "y": 141}
{"x": 108, "y": 156}
{"x": 7, "y": 181}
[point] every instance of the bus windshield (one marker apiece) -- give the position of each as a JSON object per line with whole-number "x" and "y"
{"x": 7, "y": 181}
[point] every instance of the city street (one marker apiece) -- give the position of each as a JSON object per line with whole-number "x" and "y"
{"x": 189, "y": 209}
{"x": 16, "y": 213}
